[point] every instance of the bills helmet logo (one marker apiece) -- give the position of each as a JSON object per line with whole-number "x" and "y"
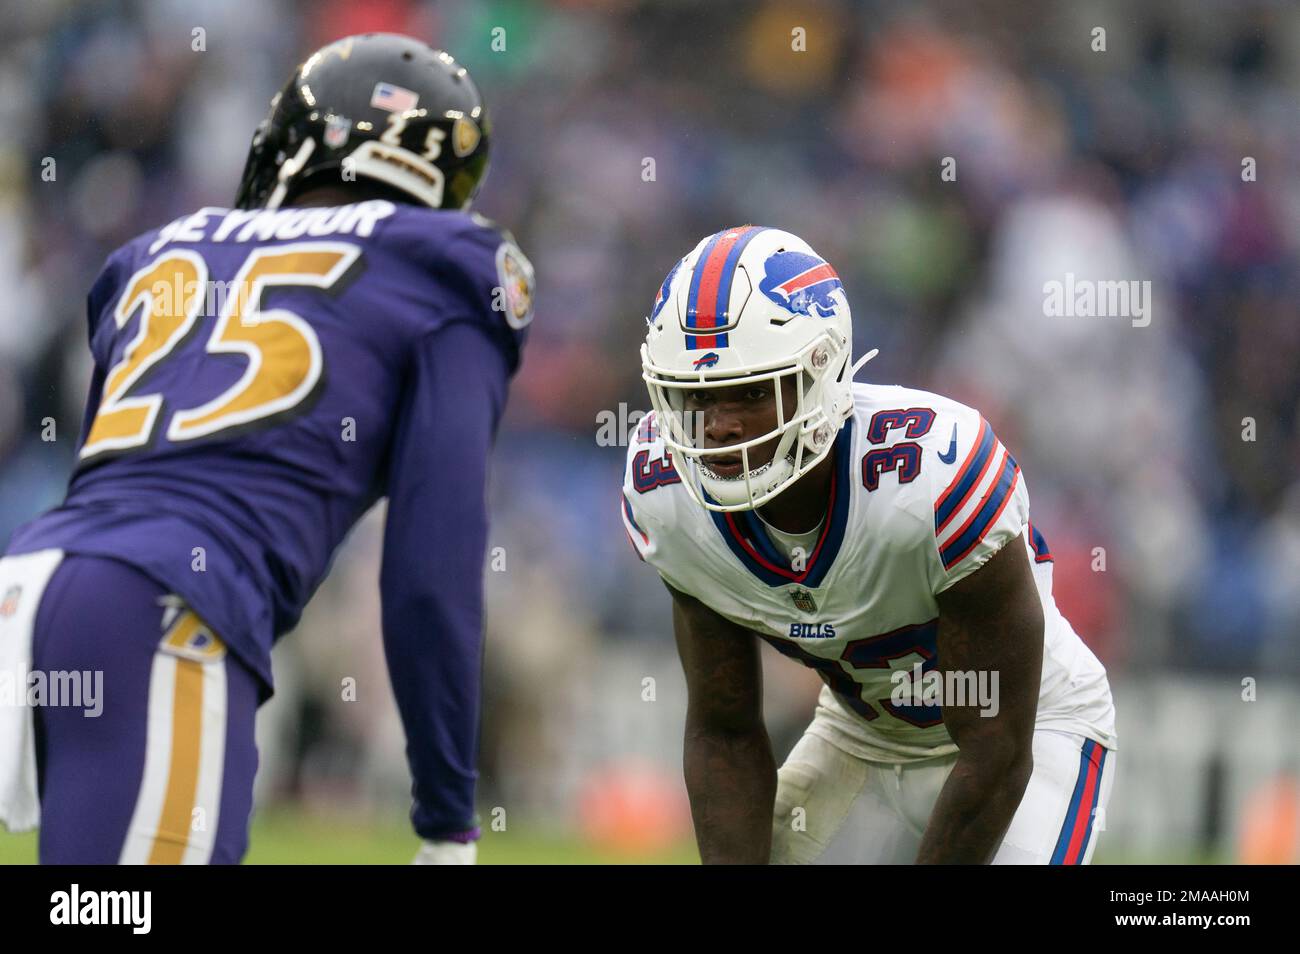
{"x": 708, "y": 361}
{"x": 801, "y": 283}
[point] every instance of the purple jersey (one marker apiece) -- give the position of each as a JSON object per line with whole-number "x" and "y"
{"x": 261, "y": 379}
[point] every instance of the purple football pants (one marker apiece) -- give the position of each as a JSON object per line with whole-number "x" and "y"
{"x": 164, "y": 773}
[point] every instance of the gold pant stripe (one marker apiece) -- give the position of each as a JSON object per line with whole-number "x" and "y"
{"x": 183, "y": 775}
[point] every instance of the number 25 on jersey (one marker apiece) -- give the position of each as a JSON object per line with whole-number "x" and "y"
{"x": 283, "y": 352}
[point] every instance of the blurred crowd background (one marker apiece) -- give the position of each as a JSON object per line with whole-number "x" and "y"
{"x": 1163, "y": 462}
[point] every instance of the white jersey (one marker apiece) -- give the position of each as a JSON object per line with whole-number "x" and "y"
{"x": 923, "y": 494}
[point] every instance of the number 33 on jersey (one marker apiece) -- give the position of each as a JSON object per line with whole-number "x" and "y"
{"x": 923, "y": 494}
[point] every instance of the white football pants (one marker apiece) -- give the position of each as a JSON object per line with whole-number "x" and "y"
{"x": 835, "y": 808}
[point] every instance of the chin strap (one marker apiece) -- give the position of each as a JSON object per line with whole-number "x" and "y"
{"x": 288, "y": 169}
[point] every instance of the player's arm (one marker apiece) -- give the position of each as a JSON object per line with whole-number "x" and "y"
{"x": 432, "y": 576}
{"x": 989, "y": 621}
{"x": 729, "y": 766}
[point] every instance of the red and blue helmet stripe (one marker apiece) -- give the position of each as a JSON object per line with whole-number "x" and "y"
{"x": 708, "y": 301}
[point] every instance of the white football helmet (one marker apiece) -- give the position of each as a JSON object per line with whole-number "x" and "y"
{"x": 751, "y": 304}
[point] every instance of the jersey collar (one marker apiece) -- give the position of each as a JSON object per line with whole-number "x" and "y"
{"x": 744, "y": 534}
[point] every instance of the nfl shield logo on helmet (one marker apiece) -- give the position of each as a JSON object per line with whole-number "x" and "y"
{"x": 803, "y": 600}
{"x": 9, "y": 604}
{"x": 336, "y": 131}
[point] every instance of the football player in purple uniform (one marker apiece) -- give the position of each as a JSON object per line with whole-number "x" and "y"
{"x": 263, "y": 375}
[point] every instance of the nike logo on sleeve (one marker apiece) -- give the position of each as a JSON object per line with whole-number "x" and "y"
{"x": 950, "y": 454}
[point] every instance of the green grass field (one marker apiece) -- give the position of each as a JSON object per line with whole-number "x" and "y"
{"x": 286, "y": 837}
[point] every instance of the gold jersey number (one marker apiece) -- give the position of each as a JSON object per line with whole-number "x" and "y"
{"x": 283, "y": 352}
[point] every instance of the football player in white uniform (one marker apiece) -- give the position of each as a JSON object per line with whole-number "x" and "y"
{"x": 879, "y": 535}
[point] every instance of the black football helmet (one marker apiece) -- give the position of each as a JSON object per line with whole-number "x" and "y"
{"x": 379, "y": 106}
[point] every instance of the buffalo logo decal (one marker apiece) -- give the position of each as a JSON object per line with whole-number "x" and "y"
{"x": 800, "y": 283}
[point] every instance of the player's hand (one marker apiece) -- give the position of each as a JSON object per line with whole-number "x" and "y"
{"x": 447, "y": 853}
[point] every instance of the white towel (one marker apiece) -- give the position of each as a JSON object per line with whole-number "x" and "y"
{"x": 22, "y": 584}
